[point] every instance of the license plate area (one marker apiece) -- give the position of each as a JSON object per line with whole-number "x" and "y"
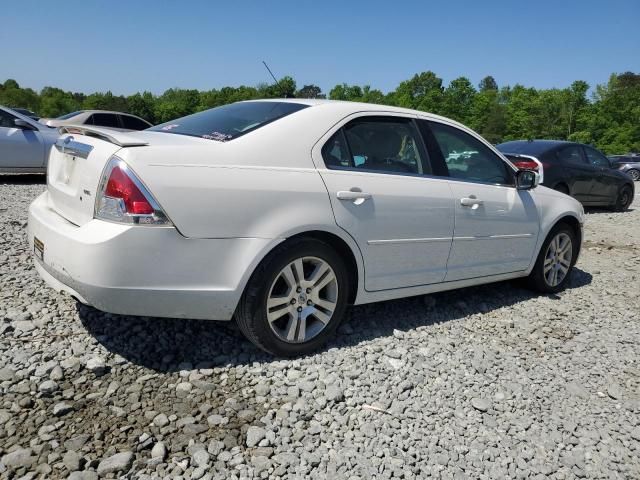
{"x": 68, "y": 166}
{"x": 38, "y": 248}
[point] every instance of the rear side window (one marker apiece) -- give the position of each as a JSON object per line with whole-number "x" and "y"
{"x": 103, "y": 120}
{"x": 595, "y": 158}
{"x": 467, "y": 158}
{"x": 335, "y": 152}
{"x": 571, "y": 155}
{"x": 133, "y": 123}
{"x": 378, "y": 144}
{"x": 229, "y": 121}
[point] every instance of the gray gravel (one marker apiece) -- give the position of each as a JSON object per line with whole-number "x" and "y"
{"x": 488, "y": 382}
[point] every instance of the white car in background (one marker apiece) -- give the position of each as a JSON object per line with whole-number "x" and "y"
{"x": 280, "y": 213}
{"x": 99, "y": 118}
{"x": 24, "y": 143}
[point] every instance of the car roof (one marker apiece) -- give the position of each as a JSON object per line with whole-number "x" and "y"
{"x": 82, "y": 112}
{"x": 532, "y": 147}
{"x": 356, "y": 107}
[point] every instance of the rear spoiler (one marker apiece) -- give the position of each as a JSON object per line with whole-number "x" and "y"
{"x": 121, "y": 139}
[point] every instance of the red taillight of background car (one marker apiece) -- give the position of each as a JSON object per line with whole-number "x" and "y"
{"x": 121, "y": 186}
{"x": 526, "y": 164}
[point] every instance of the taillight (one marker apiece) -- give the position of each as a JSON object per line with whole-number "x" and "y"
{"x": 121, "y": 186}
{"x": 526, "y": 164}
{"x": 123, "y": 198}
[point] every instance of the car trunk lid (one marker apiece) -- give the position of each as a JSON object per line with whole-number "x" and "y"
{"x": 76, "y": 163}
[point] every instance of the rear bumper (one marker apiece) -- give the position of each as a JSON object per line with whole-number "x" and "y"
{"x": 137, "y": 270}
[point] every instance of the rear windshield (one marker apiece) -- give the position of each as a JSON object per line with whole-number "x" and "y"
{"x": 229, "y": 121}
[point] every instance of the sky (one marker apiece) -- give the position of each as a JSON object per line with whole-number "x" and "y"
{"x": 130, "y": 46}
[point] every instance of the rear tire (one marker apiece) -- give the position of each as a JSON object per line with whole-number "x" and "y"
{"x": 555, "y": 261}
{"x": 634, "y": 174}
{"x": 625, "y": 198}
{"x": 295, "y": 299}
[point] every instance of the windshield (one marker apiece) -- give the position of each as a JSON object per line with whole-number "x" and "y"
{"x": 229, "y": 121}
{"x": 69, "y": 115}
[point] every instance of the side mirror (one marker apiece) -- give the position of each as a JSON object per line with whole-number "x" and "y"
{"x": 23, "y": 124}
{"x": 527, "y": 179}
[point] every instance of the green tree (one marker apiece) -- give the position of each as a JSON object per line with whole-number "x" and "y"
{"x": 488, "y": 115}
{"x": 55, "y": 102}
{"x": 310, "y": 91}
{"x": 343, "y": 91}
{"x": 458, "y": 100}
{"x": 142, "y": 105}
{"x": 488, "y": 83}
{"x": 174, "y": 103}
{"x": 11, "y": 95}
{"x": 423, "y": 91}
{"x": 610, "y": 119}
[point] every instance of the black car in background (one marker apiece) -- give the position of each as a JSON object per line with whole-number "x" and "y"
{"x": 575, "y": 169}
{"x": 629, "y": 164}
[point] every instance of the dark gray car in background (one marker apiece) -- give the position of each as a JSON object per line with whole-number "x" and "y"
{"x": 575, "y": 169}
{"x": 629, "y": 164}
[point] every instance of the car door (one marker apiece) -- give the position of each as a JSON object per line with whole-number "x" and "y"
{"x": 579, "y": 172}
{"x": 19, "y": 148}
{"x": 604, "y": 186}
{"x": 496, "y": 225}
{"x": 382, "y": 193}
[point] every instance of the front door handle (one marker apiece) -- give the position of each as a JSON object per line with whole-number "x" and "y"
{"x": 357, "y": 197}
{"x": 471, "y": 201}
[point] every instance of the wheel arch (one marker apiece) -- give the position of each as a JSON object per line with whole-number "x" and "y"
{"x": 345, "y": 247}
{"x": 561, "y": 185}
{"x": 572, "y": 222}
{"x": 344, "y": 250}
{"x": 568, "y": 219}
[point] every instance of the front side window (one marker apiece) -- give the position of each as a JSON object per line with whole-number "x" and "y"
{"x": 571, "y": 155}
{"x": 467, "y": 158}
{"x": 229, "y": 121}
{"x": 377, "y": 144}
{"x": 595, "y": 158}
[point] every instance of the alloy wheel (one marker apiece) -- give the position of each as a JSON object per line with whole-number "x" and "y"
{"x": 634, "y": 174}
{"x": 302, "y": 299}
{"x": 557, "y": 259}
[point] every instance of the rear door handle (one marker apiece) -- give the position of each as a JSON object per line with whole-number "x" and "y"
{"x": 357, "y": 197}
{"x": 471, "y": 201}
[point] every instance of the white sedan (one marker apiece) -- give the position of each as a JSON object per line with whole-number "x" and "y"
{"x": 280, "y": 213}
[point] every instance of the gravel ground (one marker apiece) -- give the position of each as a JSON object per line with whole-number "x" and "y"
{"x": 483, "y": 383}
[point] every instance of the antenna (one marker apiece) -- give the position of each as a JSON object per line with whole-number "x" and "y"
{"x": 270, "y": 72}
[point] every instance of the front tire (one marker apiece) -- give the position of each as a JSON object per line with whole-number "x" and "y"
{"x": 624, "y": 200}
{"x": 555, "y": 261}
{"x": 295, "y": 299}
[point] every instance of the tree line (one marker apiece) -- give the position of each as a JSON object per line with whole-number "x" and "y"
{"x": 609, "y": 118}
